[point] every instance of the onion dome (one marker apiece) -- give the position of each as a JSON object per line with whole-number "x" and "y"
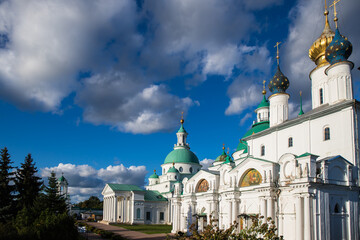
{"x": 222, "y": 157}
{"x": 339, "y": 49}
{"x": 317, "y": 50}
{"x": 279, "y": 82}
{"x": 181, "y": 155}
{"x": 154, "y": 175}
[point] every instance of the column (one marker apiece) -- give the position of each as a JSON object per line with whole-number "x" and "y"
{"x": 270, "y": 208}
{"x": 263, "y": 208}
{"x": 299, "y": 221}
{"x": 116, "y": 211}
{"x": 281, "y": 226}
{"x": 230, "y": 213}
{"x": 307, "y": 218}
{"x": 234, "y": 208}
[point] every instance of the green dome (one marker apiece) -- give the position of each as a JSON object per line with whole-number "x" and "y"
{"x": 181, "y": 155}
{"x": 257, "y": 127}
{"x": 264, "y": 103}
{"x": 173, "y": 170}
{"x": 221, "y": 157}
{"x": 242, "y": 146}
{"x": 228, "y": 159}
{"x": 154, "y": 175}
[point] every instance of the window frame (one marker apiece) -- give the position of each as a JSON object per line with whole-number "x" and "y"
{"x": 327, "y": 133}
{"x": 262, "y": 150}
{"x": 321, "y": 95}
{"x": 290, "y": 142}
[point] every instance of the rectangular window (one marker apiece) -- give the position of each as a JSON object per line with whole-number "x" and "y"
{"x": 161, "y": 216}
{"x": 148, "y": 216}
{"x": 321, "y": 96}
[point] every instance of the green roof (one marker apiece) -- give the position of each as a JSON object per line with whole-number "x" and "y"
{"x": 181, "y": 155}
{"x": 257, "y": 127}
{"x": 181, "y": 129}
{"x": 153, "y": 196}
{"x": 124, "y": 187}
{"x": 306, "y": 154}
{"x": 264, "y": 103}
{"x": 242, "y": 146}
{"x": 62, "y": 179}
{"x": 228, "y": 160}
{"x": 154, "y": 175}
{"x": 173, "y": 169}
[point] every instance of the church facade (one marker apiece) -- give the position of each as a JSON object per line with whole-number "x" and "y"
{"x": 301, "y": 172}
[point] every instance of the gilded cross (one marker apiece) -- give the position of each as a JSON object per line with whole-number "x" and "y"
{"x": 277, "y": 51}
{"x": 335, "y": 13}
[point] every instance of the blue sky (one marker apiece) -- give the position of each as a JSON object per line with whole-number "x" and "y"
{"x": 95, "y": 89}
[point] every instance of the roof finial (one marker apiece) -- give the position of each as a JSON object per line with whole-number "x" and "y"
{"x": 264, "y": 91}
{"x": 154, "y": 170}
{"x": 223, "y": 146}
{"x": 326, "y": 13}
{"x": 277, "y": 51}
{"x": 228, "y": 151}
{"x": 301, "y": 110}
{"x": 335, "y": 13}
{"x": 182, "y": 118}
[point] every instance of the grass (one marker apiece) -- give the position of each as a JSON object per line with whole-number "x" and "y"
{"x": 146, "y": 228}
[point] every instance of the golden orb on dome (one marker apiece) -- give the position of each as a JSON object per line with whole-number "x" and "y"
{"x": 317, "y": 50}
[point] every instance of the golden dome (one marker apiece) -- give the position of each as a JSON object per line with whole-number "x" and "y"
{"x": 317, "y": 50}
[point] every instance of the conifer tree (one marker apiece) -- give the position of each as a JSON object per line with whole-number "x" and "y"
{"x": 6, "y": 186}
{"x": 28, "y": 185}
{"x": 52, "y": 199}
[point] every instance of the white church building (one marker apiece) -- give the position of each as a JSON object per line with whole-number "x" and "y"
{"x": 301, "y": 172}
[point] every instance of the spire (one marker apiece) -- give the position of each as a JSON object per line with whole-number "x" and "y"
{"x": 181, "y": 135}
{"x": 264, "y": 91}
{"x": 301, "y": 110}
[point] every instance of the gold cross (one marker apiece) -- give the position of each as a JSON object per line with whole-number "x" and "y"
{"x": 277, "y": 51}
{"x": 335, "y": 13}
{"x": 300, "y": 93}
{"x": 223, "y": 146}
{"x": 264, "y": 84}
{"x": 228, "y": 150}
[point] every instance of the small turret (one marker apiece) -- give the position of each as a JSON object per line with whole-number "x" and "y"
{"x": 154, "y": 178}
{"x": 262, "y": 111}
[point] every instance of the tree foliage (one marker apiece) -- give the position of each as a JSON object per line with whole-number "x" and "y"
{"x": 37, "y": 216}
{"x": 7, "y": 186}
{"x": 92, "y": 202}
{"x": 257, "y": 229}
{"x": 28, "y": 184}
{"x": 52, "y": 200}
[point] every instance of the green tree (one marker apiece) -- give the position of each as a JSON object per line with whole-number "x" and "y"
{"x": 52, "y": 199}
{"x": 92, "y": 202}
{"x": 28, "y": 185}
{"x": 6, "y": 186}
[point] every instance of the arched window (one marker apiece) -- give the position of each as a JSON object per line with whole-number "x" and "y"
{"x": 262, "y": 152}
{"x": 180, "y": 169}
{"x": 321, "y": 92}
{"x": 290, "y": 141}
{"x": 336, "y": 208}
{"x": 250, "y": 178}
{"x": 190, "y": 170}
{"x": 203, "y": 186}
{"x": 138, "y": 213}
{"x": 326, "y": 133}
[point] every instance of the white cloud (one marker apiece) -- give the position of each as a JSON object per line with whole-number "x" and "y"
{"x": 206, "y": 163}
{"x": 242, "y": 96}
{"x": 85, "y": 180}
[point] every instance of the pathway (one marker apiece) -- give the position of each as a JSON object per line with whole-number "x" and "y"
{"x": 128, "y": 233}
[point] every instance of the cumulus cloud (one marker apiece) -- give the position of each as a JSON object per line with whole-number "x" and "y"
{"x": 206, "y": 163}
{"x": 85, "y": 180}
